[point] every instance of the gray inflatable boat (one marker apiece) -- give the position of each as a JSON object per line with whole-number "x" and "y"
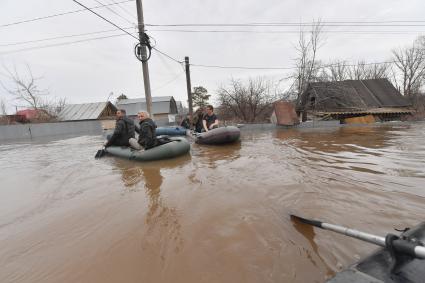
{"x": 221, "y": 135}
{"x": 386, "y": 266}
{"x": 178, "y": 146}
{"x": 402, "y": 258}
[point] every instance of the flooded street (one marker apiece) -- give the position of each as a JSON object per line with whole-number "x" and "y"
{"x": 220, "y": 214}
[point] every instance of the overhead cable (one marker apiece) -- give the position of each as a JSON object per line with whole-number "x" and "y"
{"x": 61, "y": 14}
{"x": 105, "y": 19}
{"x": 166, "y": 55}
{"x": 60, "y": 44}
{"x": 170, "y": 81}
{"x": 59, "y": 37}
{"x": 116, "y": 13}
{"x": 285, "y": 68}
{"x": 303, "y": 24}
{"x": 283, "y": 31}
{"x": 124, "y": 9}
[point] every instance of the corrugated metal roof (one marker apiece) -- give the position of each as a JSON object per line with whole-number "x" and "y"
{"x": 160, "y": 105}
{"x": 351, "y": 95}
{"x": 85, "y": 111}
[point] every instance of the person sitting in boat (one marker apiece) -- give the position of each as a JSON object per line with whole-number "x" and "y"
{"x": 147, "y": 132}
{"x": 124, "y": 130}
{"x": 210, "y": 120}
{"x": 186, "y": 122}
{"x": 197, "y": 119}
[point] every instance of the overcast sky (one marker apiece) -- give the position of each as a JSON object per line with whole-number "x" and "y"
{"x": 89, "y": 71}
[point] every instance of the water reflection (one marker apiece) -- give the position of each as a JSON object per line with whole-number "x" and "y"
{"x": 215, "y": 155}
{"x": 308, "y": 232}
{"x": 349, "y": 138}
{"x": 163, "y": 227}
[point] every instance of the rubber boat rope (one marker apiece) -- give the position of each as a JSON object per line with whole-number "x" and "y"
{"x": 401, "y": 249}
{"x": 145, "y": 40}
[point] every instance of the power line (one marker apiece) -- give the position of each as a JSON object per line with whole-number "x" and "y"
{"x": 303, "y": 24}
{"x": 105, "y": 19}
{"x": 242, "y": 67}
{"x": 60, "y": 44}
{"x": 124, "y": 9}
{"x": 59, "y": 37}
{"x": 78, "y": 41}
{"x": 166, "y": 55}
{"x": 201, "y": 31}
{"x": 61, "y": 14}
{"x": 282, "y": 31}
{"x": 286, "y": 68}
{"x": 170, "y": 81}
{"x": 114, "y": 12}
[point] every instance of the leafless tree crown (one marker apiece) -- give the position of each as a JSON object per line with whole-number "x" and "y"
{"x": 26, "y": 90}
{"x": 248, "y": 102}
{"x": 409, "y": 67}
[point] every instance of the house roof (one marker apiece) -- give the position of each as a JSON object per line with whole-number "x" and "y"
{"x": 352, "y": 95}
{"x": 85, "y": 111}
{"x": 160, "y": 105}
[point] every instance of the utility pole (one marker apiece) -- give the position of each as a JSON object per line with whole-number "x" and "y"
{"x": 144, "y": 57}
{"x": 189, "y": 87}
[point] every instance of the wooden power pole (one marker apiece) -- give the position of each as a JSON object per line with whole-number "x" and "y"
{"x": 189, "y": 87}
{"x": 144, "y": 57}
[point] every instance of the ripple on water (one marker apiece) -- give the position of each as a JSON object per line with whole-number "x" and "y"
{"x": 217, "y": 215}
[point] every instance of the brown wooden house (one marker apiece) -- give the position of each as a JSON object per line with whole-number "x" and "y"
{"x": 342, "y": 100}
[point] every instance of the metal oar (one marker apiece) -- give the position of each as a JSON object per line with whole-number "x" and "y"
{"x": 403, "y": 246}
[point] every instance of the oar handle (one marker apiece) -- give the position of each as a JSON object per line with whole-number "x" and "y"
{"x": 400, "y": 245}
{"x": 377, "y": 240}
{"x": 409, "y": 248}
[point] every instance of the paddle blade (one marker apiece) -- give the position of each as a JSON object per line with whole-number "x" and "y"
{"x": 306, "y": 221}
{"x": 100, "y": 153}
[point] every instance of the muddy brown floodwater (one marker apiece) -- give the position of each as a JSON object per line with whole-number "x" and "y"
{"x": 217, "y": 215}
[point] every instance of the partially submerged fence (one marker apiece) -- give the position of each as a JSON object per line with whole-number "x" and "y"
{"x": 30, "y": 131}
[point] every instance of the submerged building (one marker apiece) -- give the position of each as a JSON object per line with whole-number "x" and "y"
{"x": 362, "y": 101}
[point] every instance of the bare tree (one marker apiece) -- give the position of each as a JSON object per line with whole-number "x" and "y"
{"x": 25, "y": 89}
{"x": 378, "y": 71}
{"x": 307, "y": 65}
{"x": 249, "y": 101}
{"x": 336, "y": 71}
{"x": 364, "y": 71}
{"x": 409, "y": 72}
{"x": 53, "y": 107}
{"x": 340, "y": 70}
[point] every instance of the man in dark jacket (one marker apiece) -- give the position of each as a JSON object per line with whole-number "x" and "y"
{"x": 124, "y": 130}
{"x": 147, "y": 132}
{"x": 210, "y": 120}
